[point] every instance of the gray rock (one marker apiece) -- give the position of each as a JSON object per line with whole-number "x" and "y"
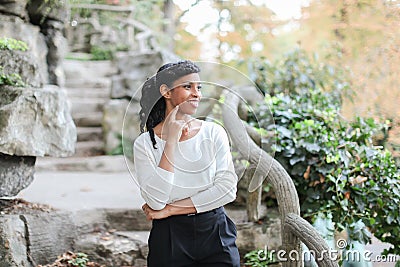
{"x": 15, "y": 27}
{"x": 41, "y": 11}
{"x": 252, "y": 236}
{"x": 127, "y": 220}
{"x": 140, "y": 263}
{"x": 111, "y": 250}
{"x": 58, "y": 47}
{"x": 125, "y": 86}
{"x": 88, "y": 74}
{"x": 120, "y": 118}
{"x": 14, "y": 8}
{"x": 13, "y": 247}
{"x": 36, "y": 122}
{"x": 138, "y": 64}
{"x": 49, "y": 235}
{"x": 23, "y": 64}
{"x": 16, "y": 173}
{"x": 90, "y": 220}
{"x": 133, "y": 70}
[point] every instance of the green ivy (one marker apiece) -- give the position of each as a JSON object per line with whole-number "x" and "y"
{"x": 335, "y": 166}
{"x": 99, "y": 53}
{"x": 12, "y": 79}
{"x": 81, "y": 260}
{"x": 259, "y": 258}
{"x": 12, "y": 44}
{"x": 124, "y": 146}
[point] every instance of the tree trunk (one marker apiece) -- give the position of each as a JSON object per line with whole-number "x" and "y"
{"x": 253, "y": 201}
{"x": 169, "y": 22}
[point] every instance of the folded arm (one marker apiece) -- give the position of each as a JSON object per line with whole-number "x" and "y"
{"x": 155, "y": 181}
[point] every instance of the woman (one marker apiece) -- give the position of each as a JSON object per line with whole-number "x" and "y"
{"x": 185, "y": 172}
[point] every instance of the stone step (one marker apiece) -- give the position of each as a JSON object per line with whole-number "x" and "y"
{"x": 89, "y": 133}
{"x": 88, "y": 69}
{"x": 87, "y": 105}
{"x": 88, "y": 120}
{"x": 142, "y": 236}
{"x": 111, "y": 249}
{"x": 89, "y": 148}
{"x": 82, "y": 92}
{"x": 100, "y": 82}
{"x": 103, "y": 163}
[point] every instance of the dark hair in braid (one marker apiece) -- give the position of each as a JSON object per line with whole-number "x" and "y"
{"x": 152, "y": 102}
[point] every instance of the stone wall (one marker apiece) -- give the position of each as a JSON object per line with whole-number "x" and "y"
{"x": 35, "y": 121}
{"x": 35, "y": 117}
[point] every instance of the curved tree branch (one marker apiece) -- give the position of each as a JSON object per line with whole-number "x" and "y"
{"x": 311, "y": 238}
{"x": 276, "y": 175}
{"x": 294, "y": 227}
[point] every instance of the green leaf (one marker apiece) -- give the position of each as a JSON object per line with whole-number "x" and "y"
{"x": 349, "y": 178}
{"x": 295, "y": 160}
{"x": 284, "y": 132}
{"x": 313, "y": 148}
{"x": 372, "y": 221}
{"x": 389, "y": 219}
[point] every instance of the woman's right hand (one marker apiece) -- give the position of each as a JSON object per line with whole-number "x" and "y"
{"x": 173, "y": 127}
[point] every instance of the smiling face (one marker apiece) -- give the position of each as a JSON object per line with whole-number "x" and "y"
{"x": 186, "y": 93}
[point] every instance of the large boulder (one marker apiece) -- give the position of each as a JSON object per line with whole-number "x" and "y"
{"x": 120, "y": 119}
{"x": 252, "y": 236}
{"x": 58, "y": 48}
{"x": 15, "y": 27}
{"x": 36, "y": 122}
{"x": 113, "y": 250}
{"x": 51, "y": 17}
{"x": 50, "y": 234}
{"x": 21, "y": 63}
{"x": 14, "y": 8}
{"x": 133, "y": 69}
{"x": 13, "y": 245}
{"x": 42, "y": 11}
{"x": 16, "y": 173}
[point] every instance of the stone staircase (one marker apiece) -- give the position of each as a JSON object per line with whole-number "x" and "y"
{"x": 88, "y": 86}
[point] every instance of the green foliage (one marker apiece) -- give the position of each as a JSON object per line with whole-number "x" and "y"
{"x": 297, "y": 73}
{"x": 80, "y": 260}
{"x": 106, "y": 52}
{"x": 147, "y": 13}
{"x": 124, "y": 146}
{"x": 259, "y": 258}
{"x": 335, "y": 166}
{"x": 101, "y": 54}
{"x": 12, "y": 44}
{"x": 12, "y": 79}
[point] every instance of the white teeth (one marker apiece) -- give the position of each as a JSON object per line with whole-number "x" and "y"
{"x": 194, "y": 103}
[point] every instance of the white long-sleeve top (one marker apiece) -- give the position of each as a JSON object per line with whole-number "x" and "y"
{"x": 203, "y": 170}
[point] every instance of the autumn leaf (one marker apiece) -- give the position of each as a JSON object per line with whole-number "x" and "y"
{"x": 306, "y": 175}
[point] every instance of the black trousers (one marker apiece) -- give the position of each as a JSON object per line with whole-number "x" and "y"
{"x": 205, "y": 239}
